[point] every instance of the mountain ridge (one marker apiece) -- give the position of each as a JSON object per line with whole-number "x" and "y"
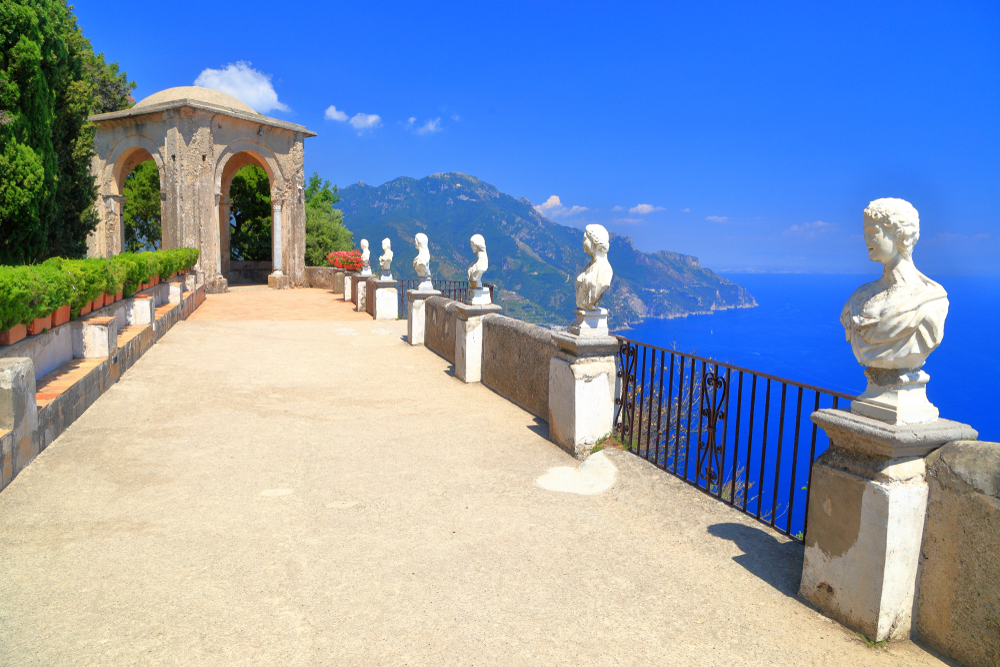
{"x": 533, "y": 260}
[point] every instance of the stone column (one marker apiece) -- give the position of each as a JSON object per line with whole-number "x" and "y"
{"x": 386, "y": 299}
{"x": 224, "y": 213}
{"x": 277, "y": 279}
{"x": 867, "y": 502}
{"x": 338, "y": 281}
{"x": 359, "y": 286}
{"x": 349, "y": 286}
{"x": 469, "y": 340}
{"x": 416, "y": 314}
{"x": 582, "y": 390}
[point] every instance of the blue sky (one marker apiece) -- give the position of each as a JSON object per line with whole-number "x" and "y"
{"x": 752, "y": 137}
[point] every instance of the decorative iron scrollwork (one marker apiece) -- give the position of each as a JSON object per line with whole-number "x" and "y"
{"x": 714, "y": 390}
{"x": 624, "y": 404}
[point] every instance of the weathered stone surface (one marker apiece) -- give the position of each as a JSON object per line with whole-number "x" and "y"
{"x": 581, "y": 401}
{"x": 385, "y": 305}
{"x": 469, "y": 341}
{"x": 18, "y": 417}
{"x": 876, "y": 438}
{"x": 349, "y": 286}
{"x": 279, "y": 282}
{"x": 585, "y": 346}
{"x": 48, "y": 350}
{"x": 866, "y": 517}
{"x": 516, "y": 358}
{"x": 416, "y": 314}
{"x": 958, "y": 598}
{"x": 94, "y": 338}
{"x": 439, "y": 333}
{"x": 199, "y": 139}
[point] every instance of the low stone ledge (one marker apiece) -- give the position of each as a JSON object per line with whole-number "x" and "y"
{"x": 325, "y": 277}
{"x": 516, "y": 358}
{"x": 441, "y": 318}
{"x": 958, "y": 594}
{"x": 869, "y": 436}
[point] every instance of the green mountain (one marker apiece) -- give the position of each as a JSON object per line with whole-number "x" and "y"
{"x": 533, "y": 260}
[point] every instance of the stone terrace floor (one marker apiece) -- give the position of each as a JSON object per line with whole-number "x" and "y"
{"x": 281, "y": 481}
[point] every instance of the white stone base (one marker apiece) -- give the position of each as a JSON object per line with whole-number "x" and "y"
{"x": 426, "y": 285}
{"x": 590, "y": 323}
{"x": 469, "y": 341}
{"x": 361, "y": 305}
{"x": 479, "y": 296}
{"x": 582, "y": 379}
{"x": 416, "y": 314}
{"x": 896, "y": 398}
{"x": 386, "y": 300}
{"x": 348, "y": 288}
{"x": 863, "y": 545}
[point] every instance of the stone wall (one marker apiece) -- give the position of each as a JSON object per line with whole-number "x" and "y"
{"x": 958, "y": 591}
{"x": 253, "y": 273}
{"x": 516, "y": 358}
{"x": 439, "y": 335}
{"x": 325, "y": 277}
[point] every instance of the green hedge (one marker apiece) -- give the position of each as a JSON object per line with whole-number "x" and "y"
{"x": 28, "y": 292}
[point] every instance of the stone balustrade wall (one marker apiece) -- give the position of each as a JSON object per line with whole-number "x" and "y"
{"x": 958, "y": 589}
{"x": 440, "y": 333}
{"x": 516, "y": 358}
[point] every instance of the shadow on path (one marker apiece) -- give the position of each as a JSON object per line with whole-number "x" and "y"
{"x": 777, "y": 562}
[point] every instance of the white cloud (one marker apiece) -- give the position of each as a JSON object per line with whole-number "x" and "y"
{"x": 365, "y": 121}
{"x": 643, "y": 209}
{"x": 455, "y": 117}
{"x": 411, "y": 120}
{"x": 430, "y": 127}
{"x": 332, "y": 113}
{"x": 553, "y": 208}
{"x": 687, "y": 210}
{"x": 244, "y": 83}
{"x": 717, "y": 218}
{"x": 630, "y": 221}
{"x": 808, "y": 230}
{"x": 618, "y": 208}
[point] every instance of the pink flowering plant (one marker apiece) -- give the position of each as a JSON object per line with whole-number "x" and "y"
{"x": 349, "y": 260}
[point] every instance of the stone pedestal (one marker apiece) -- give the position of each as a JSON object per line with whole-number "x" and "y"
{"x": 416, "y": 314}
{"x": 581, "y": 391}
{"x": 590, "y": 323}
{"x": 338, "y": 281}
{"x": 469, "y": 340}
{"x": 386, "y": 299}
{"x": 896, "y": 396}
{"x": 278, "y": 280}
{"x": 349, "y": 286}
{"x": 359, "y": 286}
{"x": 867, "y": 502}
{"x": 480, "y": 296}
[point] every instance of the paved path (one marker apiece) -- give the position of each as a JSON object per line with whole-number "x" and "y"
{"x": 320, "y": 493}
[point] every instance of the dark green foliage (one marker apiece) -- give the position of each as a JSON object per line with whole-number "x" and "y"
{"x": 50, "y": 81}
{"x": 141, "y": 214}
{"x": 29, "y": 292}
{"x": 532, "y": 259}
{"x": 250, "y": 207}
{"x": 325, "y": 230}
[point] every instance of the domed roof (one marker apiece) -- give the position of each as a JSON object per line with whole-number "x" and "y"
{"x": 197, "y": 93}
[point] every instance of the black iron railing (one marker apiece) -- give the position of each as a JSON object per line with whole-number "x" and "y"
{"x": 702, "y": 420}
{"x": 450, "y": 289}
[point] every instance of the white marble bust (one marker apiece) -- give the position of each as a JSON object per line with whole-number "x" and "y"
{"x": 366, "y": 268}
{"x": 895, "y": 322}
{"x": 422, "y": 262}
{"x": 592, "y": 284}
{"x": 385, "y": 261}
{"x": 478, "y": 268}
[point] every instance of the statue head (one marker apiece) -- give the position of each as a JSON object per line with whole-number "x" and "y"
{"x": 364, "y": 244}
{"x": 892, "y": 226}
{"x": 478, "y": 243}
{"x": 420, "y": 240}
{"x": 386, "y": 244}
{"x": 596, "y": 238}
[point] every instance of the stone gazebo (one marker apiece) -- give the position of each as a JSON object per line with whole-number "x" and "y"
{"x": 199, "y": 138}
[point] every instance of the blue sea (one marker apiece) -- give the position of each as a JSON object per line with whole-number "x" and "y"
{"x": 795, "y": 333}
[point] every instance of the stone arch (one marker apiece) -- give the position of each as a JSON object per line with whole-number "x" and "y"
{"x": 127, "y": 153}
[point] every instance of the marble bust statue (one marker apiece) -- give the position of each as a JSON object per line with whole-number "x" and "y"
{"x": 385, "y": 261}
{"x": 479, "y": 295}
{"x": 895, "y": 322}
{"x": 366, "y": 269}
{"x": 592, "y": 284}
{"x": 596, "y": 278}
{"x": 422, "y": 262}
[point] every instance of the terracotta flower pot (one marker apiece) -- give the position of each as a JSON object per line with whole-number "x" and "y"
{"x": 39, "y": 325}
{"x": 108, "y": 299}
{"x": 60, "y": 316}
{"x": 13, "y": 334}
{"x": 97, "y": 303}
{"x": 85, "y": 309}
{"x": 118, "y": 297}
